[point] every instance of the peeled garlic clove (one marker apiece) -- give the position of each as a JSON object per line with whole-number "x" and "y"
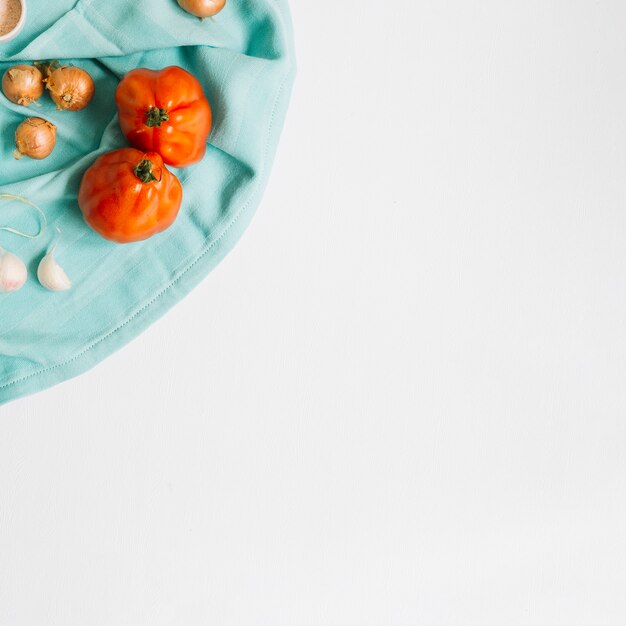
{"x": 13, "y": 272}
{"x": 51, "y": 275}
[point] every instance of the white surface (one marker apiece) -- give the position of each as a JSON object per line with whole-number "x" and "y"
{"x": 408, "y": 404}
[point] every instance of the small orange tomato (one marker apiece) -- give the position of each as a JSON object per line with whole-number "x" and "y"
{"x": 165, "y": 111}
{"x": 128, "y": 195}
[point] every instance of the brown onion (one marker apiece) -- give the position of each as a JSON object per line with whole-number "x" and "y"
{"x": 71, "y": 88}
{"x": 35, "y": 138}
{"x": 202, "y": 8}
{"x": 22, "y": 84}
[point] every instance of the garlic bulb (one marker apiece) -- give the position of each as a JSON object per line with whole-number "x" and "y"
{"x": 13, "y": 272}
{"x": 51, "y": 275}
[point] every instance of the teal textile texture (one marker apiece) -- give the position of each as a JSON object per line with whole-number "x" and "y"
{"x": 244, "y": 58}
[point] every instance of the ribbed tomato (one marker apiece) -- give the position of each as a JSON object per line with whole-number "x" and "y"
{"x": 128, "y": 195}
{"x": 165, "y": 111}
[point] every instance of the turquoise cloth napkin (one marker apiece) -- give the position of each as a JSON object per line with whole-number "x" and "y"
{"x": 244, "y": 59}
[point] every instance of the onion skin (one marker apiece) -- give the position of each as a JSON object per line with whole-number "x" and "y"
{"x": 202, "y": 8}
{"x": 35, "y": 138}
{"x": 23, "y": 84}
{"x": 71, "y": 88}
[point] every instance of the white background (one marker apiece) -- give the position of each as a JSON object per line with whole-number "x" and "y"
{"x": 401, "y": 399}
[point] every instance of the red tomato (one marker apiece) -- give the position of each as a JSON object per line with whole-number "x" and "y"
{"x": 128, "y": 195}
{"x": 165, "y": 111}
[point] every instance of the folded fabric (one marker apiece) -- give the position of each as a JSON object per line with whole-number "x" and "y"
{"x": 244, "y": 59}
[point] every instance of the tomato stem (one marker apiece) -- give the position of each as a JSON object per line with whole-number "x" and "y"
{"x": 156, "y": 116}
{"x": 143, "y": 171}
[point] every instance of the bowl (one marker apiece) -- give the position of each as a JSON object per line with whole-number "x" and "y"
{"x": 18, "y": 27}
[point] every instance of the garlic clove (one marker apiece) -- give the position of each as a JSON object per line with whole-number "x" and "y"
{"x": 51, "y": 275}
{"x": 13, "y": 272}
